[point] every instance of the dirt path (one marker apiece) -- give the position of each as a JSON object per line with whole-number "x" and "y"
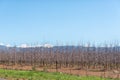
{"x": 2, "y": 79}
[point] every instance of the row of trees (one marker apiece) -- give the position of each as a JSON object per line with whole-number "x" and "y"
{"x": 80, "y": 57}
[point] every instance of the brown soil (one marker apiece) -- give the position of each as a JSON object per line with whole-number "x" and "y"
{"x": 73, "y": 71}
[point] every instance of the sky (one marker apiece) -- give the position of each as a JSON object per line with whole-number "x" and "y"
{"x": 59, "y": 21}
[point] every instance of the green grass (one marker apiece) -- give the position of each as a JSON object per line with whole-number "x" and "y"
{"x": 37, "y": 75}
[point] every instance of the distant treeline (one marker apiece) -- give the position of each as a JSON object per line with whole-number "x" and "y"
{"x": 103, "y": 58}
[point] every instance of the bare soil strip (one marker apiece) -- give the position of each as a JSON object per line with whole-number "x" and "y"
{"x": 106, "y": 74}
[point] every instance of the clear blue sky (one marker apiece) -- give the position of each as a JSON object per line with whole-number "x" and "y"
{"x": 65, "y": 21}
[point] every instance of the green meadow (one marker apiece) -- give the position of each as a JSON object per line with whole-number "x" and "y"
{"x": 40, "y": 75}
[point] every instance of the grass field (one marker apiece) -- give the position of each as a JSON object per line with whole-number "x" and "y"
{"x": 37, "y": 75}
